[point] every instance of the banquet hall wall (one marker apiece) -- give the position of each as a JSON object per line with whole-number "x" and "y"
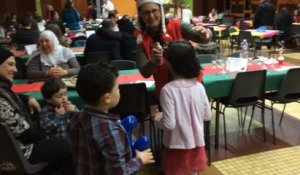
{"x": 21, "y": 7}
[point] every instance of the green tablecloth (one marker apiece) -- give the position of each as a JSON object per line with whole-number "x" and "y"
{"x": 219, "y": 85}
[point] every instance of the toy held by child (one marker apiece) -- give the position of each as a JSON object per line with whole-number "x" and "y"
{"x": 185, "y": 107}
{"x": 143, "y": 142}
{"x": 56, "y": 115}
{"x": 129, "y": 123}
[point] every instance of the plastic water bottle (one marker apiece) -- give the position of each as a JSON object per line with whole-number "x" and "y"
{"x": 244, "y": 49}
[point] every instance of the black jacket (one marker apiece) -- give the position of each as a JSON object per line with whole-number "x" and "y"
{"x": 25, "y": 36}
{"x": 264, "y": 16}
{"x": 283, "y": 22}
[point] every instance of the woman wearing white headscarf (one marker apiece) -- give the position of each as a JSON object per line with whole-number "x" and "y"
{"x": 51, "y": 59}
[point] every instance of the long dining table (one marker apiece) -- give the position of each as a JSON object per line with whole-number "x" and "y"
{"x": 216, "y": 83}
{"x": 258, "y": 34}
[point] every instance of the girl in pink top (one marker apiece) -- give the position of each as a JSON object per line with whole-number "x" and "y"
{"x": 185, "y": 107}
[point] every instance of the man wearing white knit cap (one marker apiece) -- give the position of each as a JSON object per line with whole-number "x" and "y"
{"x": 156, "y": 33}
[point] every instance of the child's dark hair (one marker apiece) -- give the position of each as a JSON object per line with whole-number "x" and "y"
{"x": 182, "y": 57}
{"x": 94, "y": 80}
{"x": 52, "y": 86}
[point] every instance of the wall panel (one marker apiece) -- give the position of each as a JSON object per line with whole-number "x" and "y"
{"x": 125, "y": 7}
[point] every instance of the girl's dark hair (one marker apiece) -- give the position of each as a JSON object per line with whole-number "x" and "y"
{"x": 52, "y": 86}
{"x": 182, "y": 58}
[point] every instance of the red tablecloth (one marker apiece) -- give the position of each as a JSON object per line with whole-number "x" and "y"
{"x": 18, "y": 53}
{"x": 132, "y": 78}
{"x": 32, "y": 87}
{"x": 77, "y": 50}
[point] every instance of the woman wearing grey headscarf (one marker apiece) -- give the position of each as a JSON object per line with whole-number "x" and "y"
{"x": 51, "y": 59}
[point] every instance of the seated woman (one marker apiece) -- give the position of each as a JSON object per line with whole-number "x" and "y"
{"x": 15, "y": 114}
{"x": 51, "y": 59}
{"x": 296, "y": 16}
{"x": 212, "y": 16}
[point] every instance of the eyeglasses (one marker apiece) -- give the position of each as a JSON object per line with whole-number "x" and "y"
{"x": 149, "y": 12}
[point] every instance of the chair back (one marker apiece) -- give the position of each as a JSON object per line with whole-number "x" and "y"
{"x": 235, "y": 54}
{"x": 12, "y": 159}
{"x": 247, "y": 36}
{"x": 94, "y": 57}
{"x": 133, "y": 101}
{"x": 243, "y": 25}
{"x": 79, "y": 43}
{"x": 214, "y": 35}
{"x": 295, "y": 29}
{"x": 205, "y": 58}
{"x": 289, "y": 90}
{"x": 123, "y": 64}
{"x": 226, "y": 33}
{"x": 228, "y": 20}
{"x": 131, "y": 55}
{"x": 248, "y": 87}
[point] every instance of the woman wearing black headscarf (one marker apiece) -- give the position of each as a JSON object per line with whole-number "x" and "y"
{"x": 15, "y": 115}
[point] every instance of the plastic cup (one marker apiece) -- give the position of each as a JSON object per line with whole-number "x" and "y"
{"x": 280, "y": 60}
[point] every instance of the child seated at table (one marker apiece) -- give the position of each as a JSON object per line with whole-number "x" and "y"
{"x": 98, "y": 141}
{"x": 56, "y": 115}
